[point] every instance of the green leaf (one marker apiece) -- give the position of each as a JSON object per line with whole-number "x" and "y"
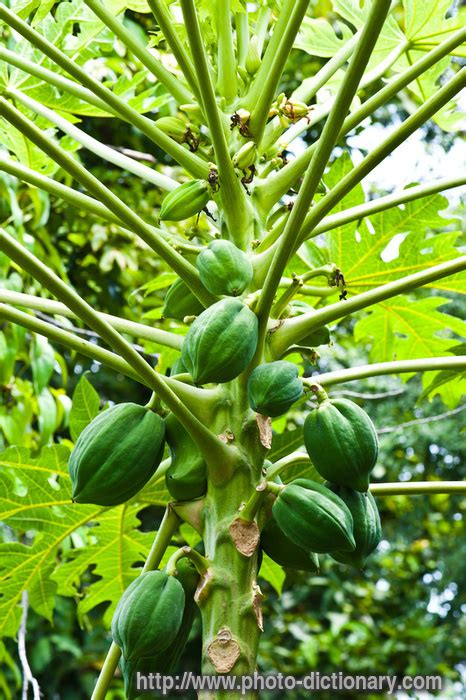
{"x": 47, "y": 416}
{"x": 42, "y": 362}
{"x": 284, "y": 443}
{"x": 85, "y": 407}
{"x": 272, "y": 573}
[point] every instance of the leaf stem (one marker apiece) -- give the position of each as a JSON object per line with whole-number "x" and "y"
{"x": 294, "y": 329}
{"x": 428, "y": 364}
{"x": 137, "y": 330}
{"x": 168, "y": 527}
{"x": 417, "y": 488}
{"x": 129, "y": 39}
{"x": 148, "y": 234}
{"x": 242, "y": 36}
{"x": 384, "y": 149}
{"x": 93, "y": 145}
{"x": 279, "y": 183}
{"x": 166, "y": 23}
{"x": 211, "y": 447}
{"x": 192, "y": 163}
{"x": 263, "y": 89}
{"x": 341, "y": 105}
{"x": 226, "y": 81}
{"x": 231, "y": 192}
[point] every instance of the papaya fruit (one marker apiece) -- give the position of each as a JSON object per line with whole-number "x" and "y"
{"x": 274, "y": 387}
{"x": 341, "y": 441}
{"x": 148, "y": 616}
{"x": 116, "y": 455}
{"x": 221, "y": 342}
{"x": 367, "y": 529}
{"x": 313, "y": 517}
{"x": 224, "y": 268}
{"x": 180, "y": 302}
{"x": 284, "y": 551}
{"x": 185, "y": 201}
{"x": 165, "y": 661}
{"x": 186, "y": 477}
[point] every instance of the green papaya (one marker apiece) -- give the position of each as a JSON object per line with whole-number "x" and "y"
{"x": 221, "y": 342}
{"x": 180, "y": 302}
{"x": 186, "y": 200}
{"x": 284, "y": 551}
{"x": 274, "y": 387}
{"x": 367, "y": 529}
{"x": 148, "y": 616}
{"x": 186, "y": 477}
{"x": 341, "y": 440}
{"x": 316, "y": 338}
{"x": 313, "y": 517}
{"x": 166, "y": 661}
{"x": 116, "y": 454}
{"x": 224, "y": 268}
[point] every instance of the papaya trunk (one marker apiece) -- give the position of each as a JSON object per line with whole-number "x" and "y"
{"x": 230, "y": 602}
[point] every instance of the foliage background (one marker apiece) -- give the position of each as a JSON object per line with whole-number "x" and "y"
{"x": 405, "y": 613}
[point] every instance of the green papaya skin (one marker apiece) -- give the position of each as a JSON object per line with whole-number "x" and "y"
{"x": 116, "y": 455}
{"x": 283, "y": 551}
{"x": 341, "y": 441}
{"x": 185, "y": 201}
{"x": 274, "y": 387}
{"x": 166, "y": 661}
{"x": 367, "y": 529}
{"x": 180, "y": 302}
{"x": 313, "y": 517}
{"x": 148, "y": 616}
{"x": 221, "y": 342}
{"x": 224, "y": 268}
{"x": 186, "y": 477}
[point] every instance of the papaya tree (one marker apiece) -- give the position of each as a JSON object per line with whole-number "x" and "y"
{"x": 270, "y": 246}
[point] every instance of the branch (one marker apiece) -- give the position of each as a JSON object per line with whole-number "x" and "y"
{"x": 28, "y": 678}
{"x": 421, "y": 421}
{"x": 137, "y": 330}
{"x": 417, "y": 488}
{"x": 341, "y": 105}
{"x": 294, "y": 329}
{"x": 130, "y": 40}
{"x": 108, "y": 153}
{"x": 231, "y": 191}
{"x": 213, "y": 449}
{"x": 167, "y": 528}
{"x": 192, "y": 163}
{"x": 148, "y": 234}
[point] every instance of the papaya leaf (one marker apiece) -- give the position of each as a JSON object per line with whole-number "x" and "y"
{"x": 284, "y": 443}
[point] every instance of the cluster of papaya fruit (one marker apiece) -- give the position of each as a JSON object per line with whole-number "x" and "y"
{"x": 339, "y": 517}
{"x": 152, "y": 621}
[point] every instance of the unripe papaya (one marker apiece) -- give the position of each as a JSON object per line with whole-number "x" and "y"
{"x": 224, "y": 268}
{"x": 313, "y": 517}
{"x": 148, "y": 616}
{"x": 246, "y": 156}
{"x": 284, "y": 551}
{"x": 185, "y": 201}
{"x": 180, "y": 302}
{"x": 186, "y": 477}
{"x": 274, "y": 387}
{"x": 341, "y": 440}
{"x": 116, "y": 454}
{"x": 166, "y": 661}
{"x": 367, "y": 529}
{"x": 221, "y": 342}
{"x": 173, "y": 127}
